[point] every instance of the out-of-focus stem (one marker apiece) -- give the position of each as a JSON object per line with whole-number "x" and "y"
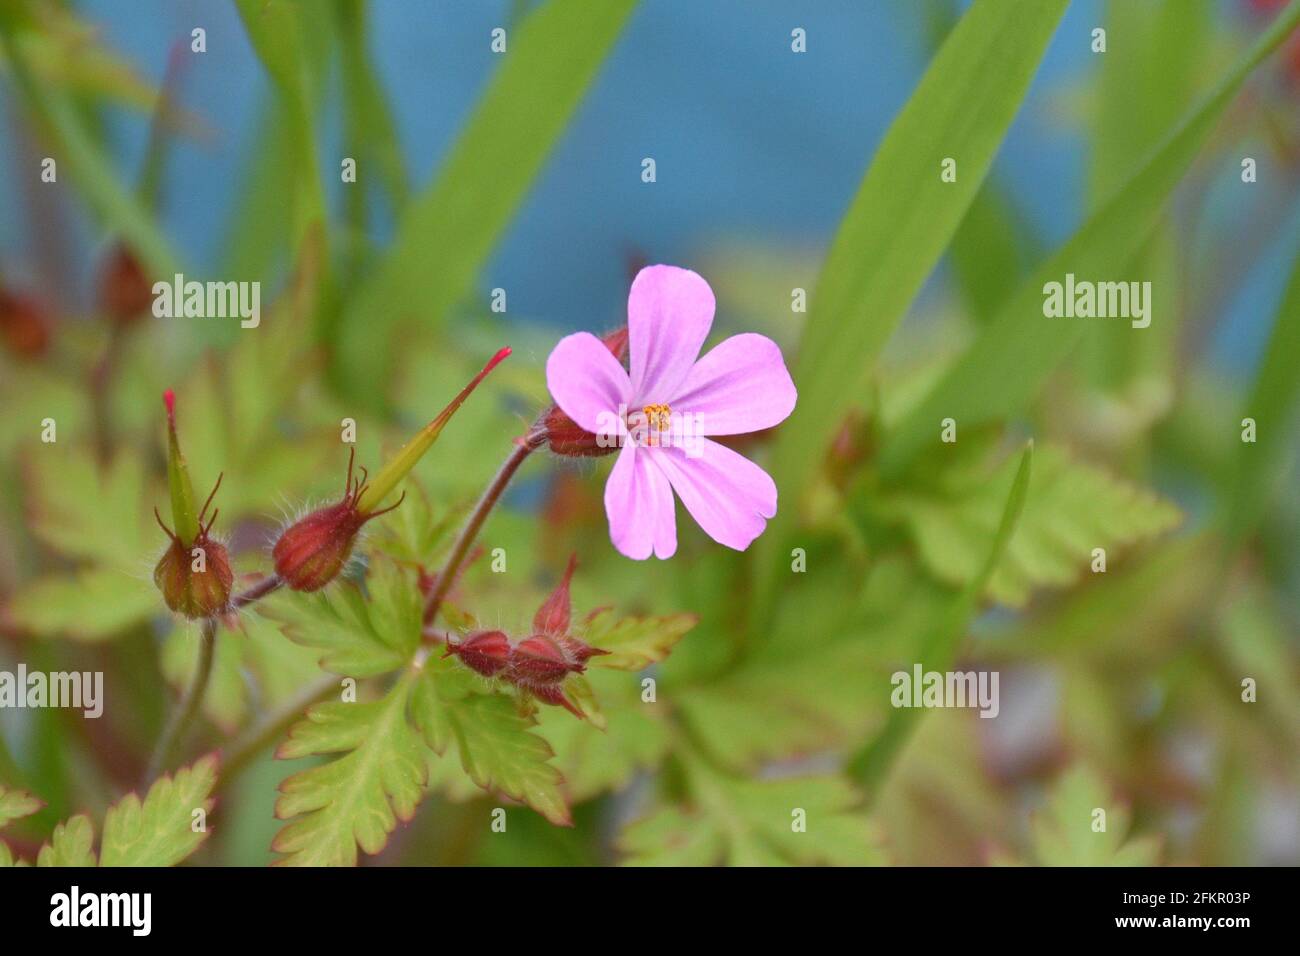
{"x": 243, "y": 752}
{"x": 491, "y": 495}
{"x": 180, "y": 724}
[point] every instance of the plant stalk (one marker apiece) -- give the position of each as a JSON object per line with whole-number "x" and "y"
{"x": 491, "y": 495}
{"x": 182, "y": 720}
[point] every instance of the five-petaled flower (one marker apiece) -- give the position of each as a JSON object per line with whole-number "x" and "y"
{"x": 739, "y": 386}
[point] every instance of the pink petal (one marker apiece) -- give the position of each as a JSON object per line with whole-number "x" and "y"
{"x": 587, "y": 382}
{"x": 729, "y": 495}
{"x": 740, "y": 386}
{"x": 669, "y": 314}
{"x": 639, "y": 505}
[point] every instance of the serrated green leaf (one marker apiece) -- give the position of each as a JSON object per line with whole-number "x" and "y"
{"x": 1064, "y": 832}
{"x": 636, "y": 737}
{"x": 16, "y": 804}
{"x": 872, "y": 763}
{"x": 357, "y": 799}
{"x": 83, "y": 511}
{"x": 743, "y": 822}
{"x": 160, "y": 831}
{"x": 1071, "y": 508}
{"x": 494, "y": 741}
{"x": 633, "y": 643}
{"x": 91, "y": 605}
{"x": 71, "y": 844}
{"x": 358, "y": 638}
{"x": 900, "y": 222}
{"x": 1016, "y": 353}
{"x": 454, "y": 224}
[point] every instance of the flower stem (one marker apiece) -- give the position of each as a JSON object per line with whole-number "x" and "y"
{"x": 258, "y": 591}
{"x": 180, "y": 723}
{"x": 491, "y": 495}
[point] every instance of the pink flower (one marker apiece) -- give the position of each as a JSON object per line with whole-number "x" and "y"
{"x": 661, "y": 411}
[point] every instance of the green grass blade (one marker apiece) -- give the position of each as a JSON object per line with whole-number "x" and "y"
{"x": 277, "y": 31}
{"x": 901, "y": 220}
{"x": 1270, "y": 403}
{"x": 871, "y": 765}
{"x": 1013, "y": 357}
{"x": 77, "y": 153}
{"x": 451, "y": 228}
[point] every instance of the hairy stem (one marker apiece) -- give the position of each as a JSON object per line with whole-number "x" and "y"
{"x": 258, "y": 591}
{"x": 491, "y": 495}
{"x": 181, "y": 721}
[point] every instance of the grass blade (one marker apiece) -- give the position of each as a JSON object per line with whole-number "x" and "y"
{"x": 872, "y": 763}
{"x": 901, "y": 220}
{"x": 1013, "y": 357}
{"x": 450, "y": 229}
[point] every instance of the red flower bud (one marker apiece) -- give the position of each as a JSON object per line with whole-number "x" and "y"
{"x": 486, "y": 653}
{"x": 313, "y": 550}
{"x": 539, "y": 664}
{"x": 541, "y": 660}
{"x": 125, "y": 292}
{"x": 195, "y": 579}
{"x": 563, "y": 434}
{"x": 24, "y": 324}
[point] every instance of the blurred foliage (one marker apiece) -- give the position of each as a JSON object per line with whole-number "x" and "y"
{"x": 742, "y": 716}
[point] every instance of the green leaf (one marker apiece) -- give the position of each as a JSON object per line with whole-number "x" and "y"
{"x": 634, "y": 643}
{"x": 1271, "y": 403}
{"x": 72, "y": 844}
{"x": 358, "y": 638}
{"x": 808, "y": 684}
{"x": 91, "y": 605}
{"x": 871, "y": 764}
{"x": 357, "y": 799}
{"x": 901, "y": 220}
{"x": 80, "y": 156}
{"x": 83, "y": 511}
{"x": 449, "y": 230}
{"x": 161, "y": 830}
{"x": 1015, "y": 354}
{"x": 494, "y": 741}
{"x": 280, "y": 36}
{"x": 1064, "y": 831}
{"x": 636, "y": 737}
{"x": 742, "y": 822}
{"x": 16, "y": 804}
{"x": 1071, "y": 509}
{"x": 371, "y": 130}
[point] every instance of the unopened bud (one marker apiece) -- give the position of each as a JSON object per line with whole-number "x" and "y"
{"x": 563, "y": 435}
{"x": 311, "y": 552}
{"x": 125, "y": 292}
{"x": 24, "y": 324}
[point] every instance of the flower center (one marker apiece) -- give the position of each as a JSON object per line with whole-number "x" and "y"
{"x": 658, "y": 417}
